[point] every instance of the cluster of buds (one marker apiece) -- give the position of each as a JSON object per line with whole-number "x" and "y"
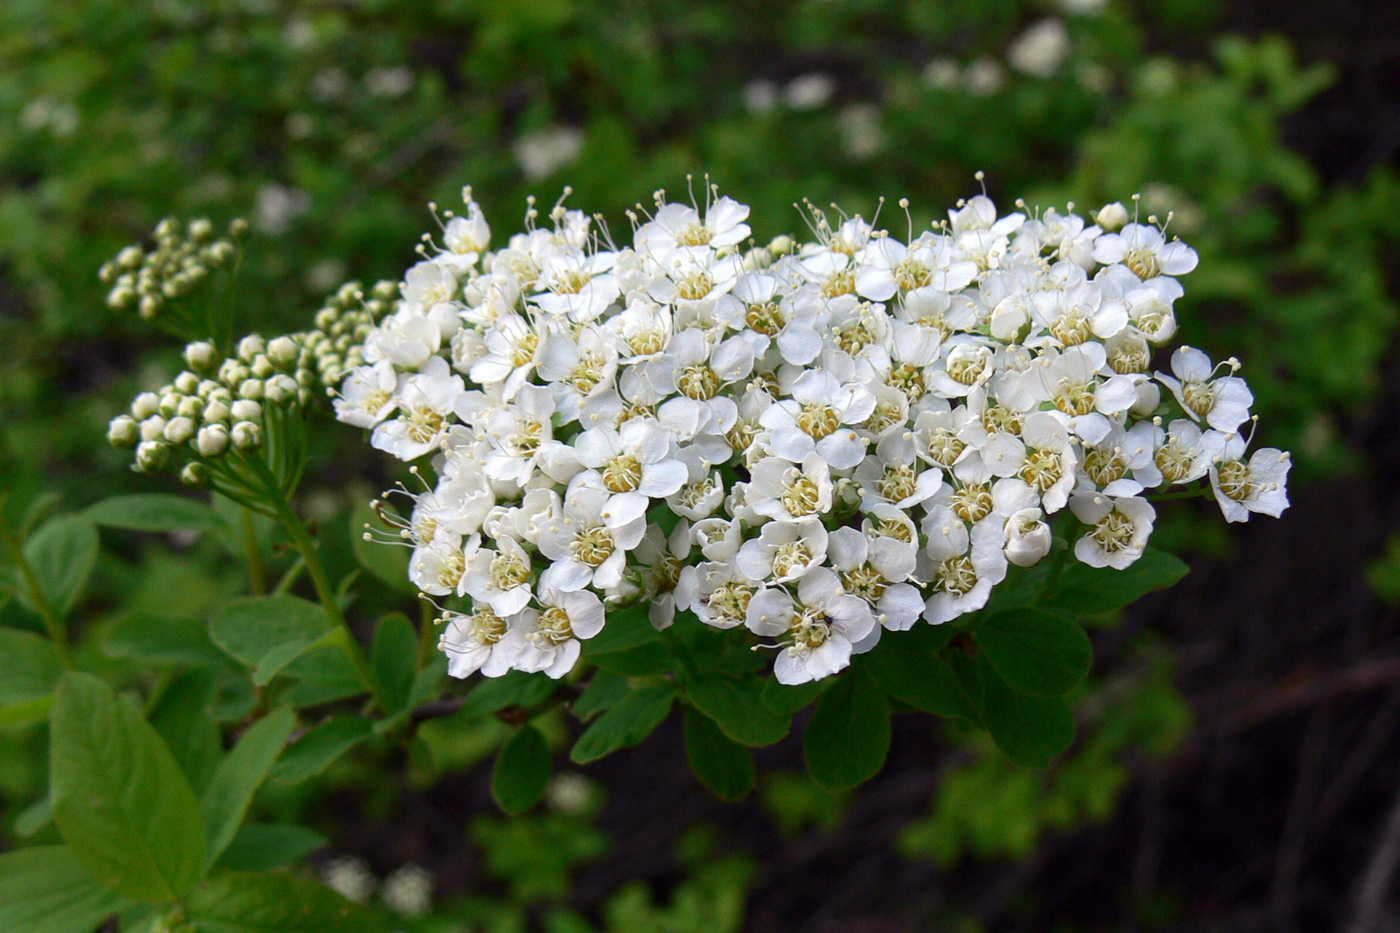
{"x": 219, "y": 407}
{"x": 342, "y": 326}
{"x": 182, "y": 258}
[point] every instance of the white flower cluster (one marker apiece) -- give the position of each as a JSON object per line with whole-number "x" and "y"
{"x": 815, "y": 442}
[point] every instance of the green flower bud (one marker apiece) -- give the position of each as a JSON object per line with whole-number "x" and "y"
{"x": 123, "y": 432}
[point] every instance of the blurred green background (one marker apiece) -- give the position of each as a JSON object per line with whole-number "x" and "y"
{"x": 329, "y": 125}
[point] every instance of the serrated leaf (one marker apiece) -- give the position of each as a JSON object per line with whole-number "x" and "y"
{"x": 252, "y": 627}
{"x": 849, "y": 735}
{"x": 515, "y": 688}
{"x": 161, "y": 640}
{"x": 240, "y": 774}
{"x": 184, "y": 717}
{"x": 521, "y": 771}
{"x": 737, "y": 707}
{"x": 62, "y": 553}
{"x": 1035, "y": 651}
{"x": 721, "y": 764}
{"x": 920, "y": 679}
{"x": 119, "y": 798}
{"x": 629, "y": 721}
{"x": 386, "y": 562}
{"x": 275, "y": 902}
{"x": 395, "y": 658}
{"x": 1029, "y": 730}
{"x": 261, "y": 846}
{"x": 44, "y": 889}
{"x": 155, "y": 512}
{"x": 1085, "y": 590}
{"x": 315, "y": 751}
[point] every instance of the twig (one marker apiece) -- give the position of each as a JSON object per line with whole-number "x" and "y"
{"x": 1375, "y": 883}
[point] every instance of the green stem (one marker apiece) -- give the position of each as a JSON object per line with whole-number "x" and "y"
{"x": 291, "y": 576}
{"x": 427, "y": 632}
{"x": 301, "y": 538}
{"x": 257, "y": 575}
{"x": 1182, "y": 494}
{"x": 58, "y": 633}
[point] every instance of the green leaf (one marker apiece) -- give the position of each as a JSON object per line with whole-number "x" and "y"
{"x": 603, "y": 691}
{"x": 239, "y": 776}
{"x": 45, "y": 889}
{"x": 395, "y": 658}
{"x": 1029, "y": 730}
{"x": 630, "y": 721}
{"x": 26, "y": 712}
{"x": 387, "y": 563}
{"x": 33, "y": 818}
{"x": 624, "y": 629}
{"x": 737, "y": 707}
{"x": 184, "y": 717}
{"x": 521, "y": 771}
{"x": 1035, "y": 651}
{"x": 119, "y": 798}
{"x": 261, "y": 846}
{"x": 515, "y": 688}
{"x": 314, "y": 752}
{"x": 29, "y": 667}
{"x": 154, "y": 511}
{"x": 275, "y": 902}
{"x": 639, "y": 661}
{"x": 1085, "y": 590}
{"x": 161, "y": 640}
{"x": 721, "y": 764}
{"x": 252, "y": 627}
{"x": 849, "y": 735}
{"x": 62, "y": 553}
{"x": 788, "y": 700}
{"x": 923, "y": 681}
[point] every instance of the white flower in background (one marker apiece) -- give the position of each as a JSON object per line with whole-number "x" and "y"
{"x": 543, "y": 153}
{"x": 818, "y": 629}
{"x": 809, "y": 91}
{"x": 843, "y": 436}
{"x": 1040, "y": 49}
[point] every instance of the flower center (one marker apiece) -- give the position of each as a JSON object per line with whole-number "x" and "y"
{"x": 593, "y": 546}
{"x": 730, "y": 602}
{"x": 973, "y": 502}
{"x": 891, "y": 528}
{"x": 802, "y": 494}
{"x": 910, "y": 274}
{"x": 423, "y": 424}
{"x": 1105, "y": 466}
{"x": 665, "y": 574}
{"x": 1199, "y": 397}
{"x": 1174, "y": 461}
{"x": 866, "y": 582}
{"x": 967, "y": 368}
{"x": 1144, "y": 263}
{"x": 554, "y": 628}
{"x": 646, "y": 341}
{"x": 527, "y": 437}
{"x": 1114, "y": 532}
{"x": 571, "y": 281}
{"x": 1042, "y": 470}
{"x": 944, "y": 447}
{"x": 1236, "y": 481}
{"x": 694, "y": 286}
{"x": 1072, "y": 327}
{"x": 587, "y": 374}
{"x": 451, "y": 568}
{"x": 698, "y": 382}
{"x": 999, "y": 418}
{"x": 623, "y": 474}
{"x": 898, "y": 483}
{"x": 818, "y": 420}
{"x": 810, "y": 629}
{"x": 694, "y": 234}
{"x": 692, "y": 494}
{"x": 790, "y": 556}
{"x": 909, "y": 379}
{"x": 1075, "y": 398}
{"x": 524, "y": 351}
{"x": 885, "y": 416}
{"x": 839, "y": 283}
{"x": 508, "y": 571}
{"x": 956, "y": 575}
{"x": 766, "y": 317}
{"x": 1129, "y": 356}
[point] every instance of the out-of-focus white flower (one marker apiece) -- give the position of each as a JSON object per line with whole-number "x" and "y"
{"x": 544, "y": 152}
{"x": 809, "y": 91}
{"x": 1040, "y": 49}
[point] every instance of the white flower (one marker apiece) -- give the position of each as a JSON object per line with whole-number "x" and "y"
{"x": 634, "y": 464}
{"x": 722, "y": 595}
{"x": 783, "y": 550}
{"x": 963, "y": 565}
{"x": 1223, "y": 402}
{"x": 781, "y": 490}
{"x": 1072, "y": 382}
{"x": 817, "y": 417}
{"x": 577, "y": 284}
{"x": 1039, "y": 50}
{"x": 1261, "y": 485}
{"x": 548, "y": 640}
{"x": 1145, "y": 252}
{"x": 1118, "y": 532}
{"x": 368, "y": 395}
{"x": 588, "y": 542}
{"x": 665, "y": 584}
{"x": 424, "y": 409}
{"x": 875, "y": 570}
{"x": 818, "y": 629}
{"x": 473, "y": 642}
{"x": 681, "y": 226}
{"x": 500, "y": 578}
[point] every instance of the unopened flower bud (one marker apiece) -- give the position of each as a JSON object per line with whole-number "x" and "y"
{"x": 123, "y": 432}
{"x": 152, "y": 456}
{"x": 194, "y": 475}
{"x": 246, "y": 435}
{"x": 283, "y": 351}
{"x": 250, "y": 347}
{"x": 245, "y": 409}
{"x": 150, "y": 306}
{"x": 178, "y": 430}
{"x": 261, "y": 366}
{"x": 201, "y": 229}
{"x": 130, "y": 258}
{"x": 216, "y": 412}
{"x": 251, "y": 388}
{"x": 201, "y": 356}
{"x": 1028, "y": 538}
{"x": 212, "y": 440}
{"x": 238, "y": 227}
{"x": 781, "y": 245}
{"x": 169, "y": 403}
{"x": 153, "y": 428}
{"x": 280, "y": 389}
{"x": 145, "y": 405}
{"x": 1112, "y": 216}
{"x": 191, "y": 406}
{"x": 186, "y": 383}
{"x": 121, "y": 297}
